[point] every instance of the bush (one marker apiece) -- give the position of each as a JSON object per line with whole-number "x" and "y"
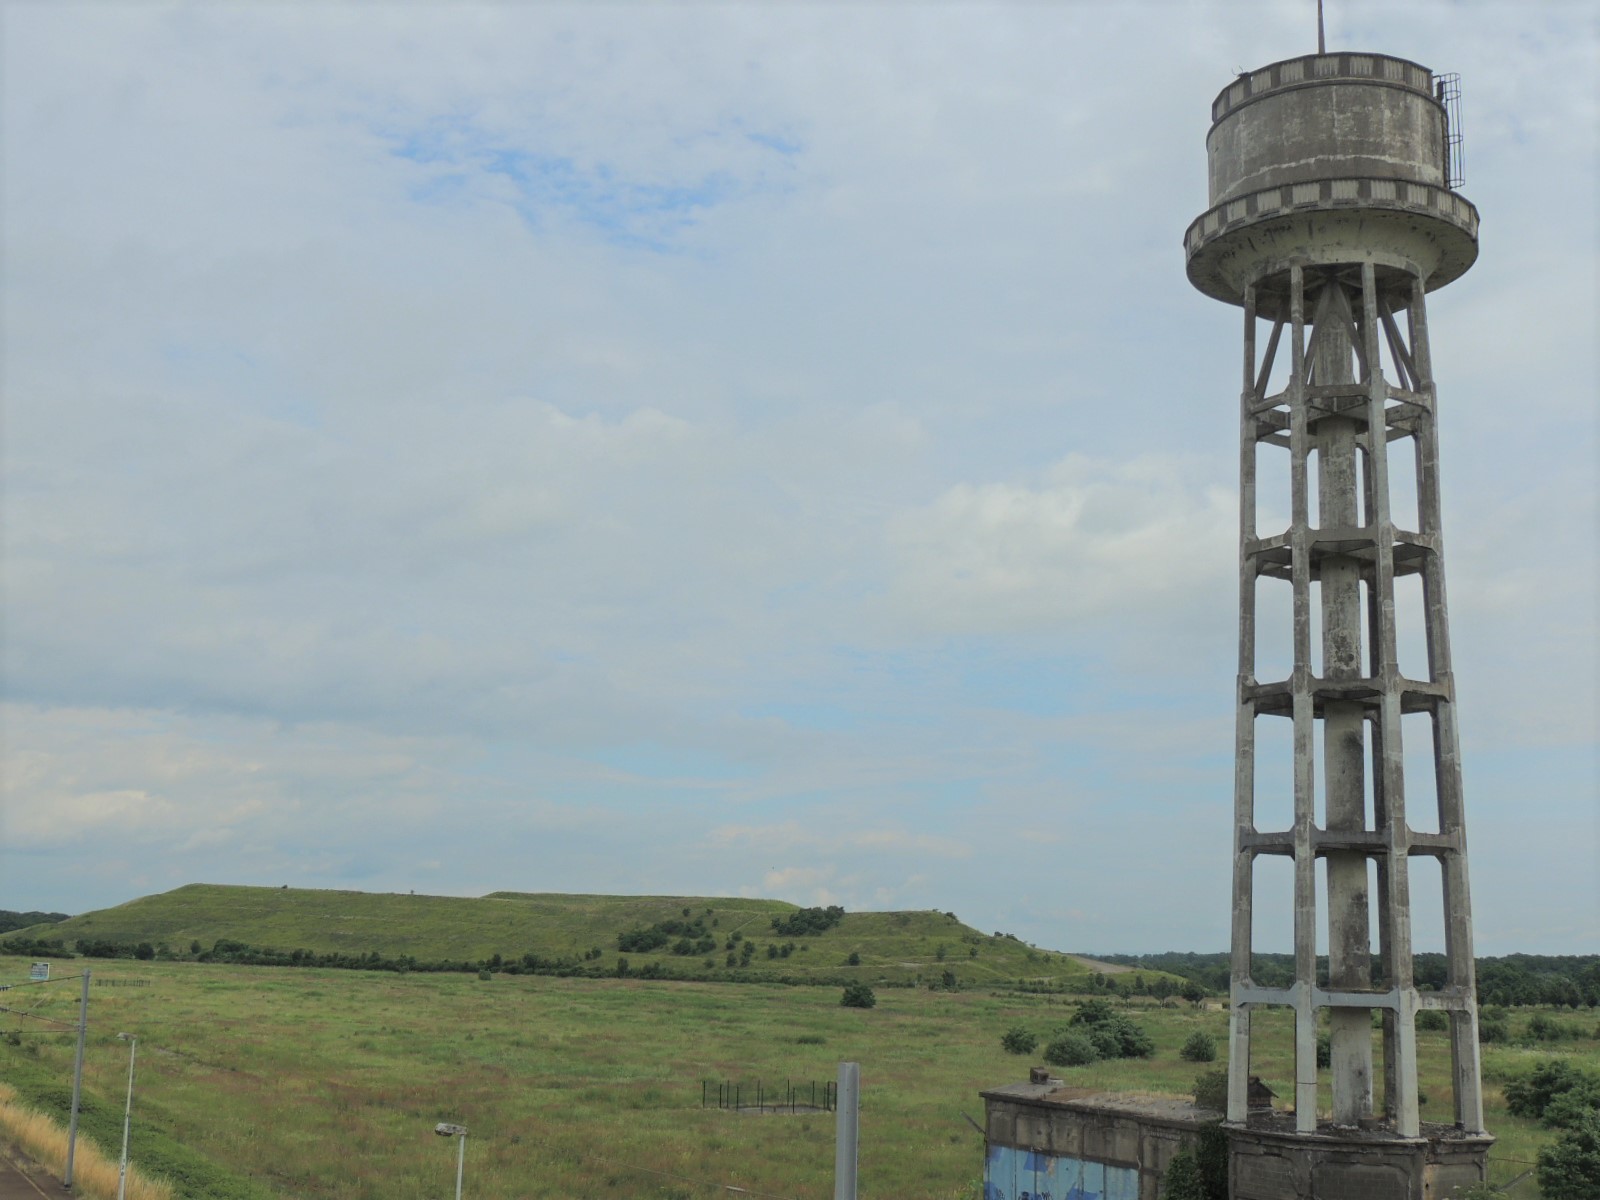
{"x": 1200, "y": 1172}
{"x": 1542, "y": 1029}
{"x": 857, "y": 995}
{"x": 1132, "y": 1040}
{"x": 1568, "y": 1110}
{"x": 1432, "y": 1020}
{"x": 808, "y": 921}
{"x": 1018, "y": 1040}
{"x": 1569, "y": 1168}
{"x": 1106, "y": 1041}
{"x": 1493, "y": 1026}
{"x": 1182, "y": 1180}
{"x": 1211, "y": 1090}
{"x": 1201, "y": 1047}
{"x": 1324, "y": 1050}
{"x": 1532, "y": 1094}
{"x": 1093, "y": 1012}
{"x": 484, "y": 974}
{"x": 1071, "y": 1050}
{"x": 855, "y": 958}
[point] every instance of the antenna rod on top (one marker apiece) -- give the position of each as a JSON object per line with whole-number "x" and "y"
{"x": 1322, "y": 42}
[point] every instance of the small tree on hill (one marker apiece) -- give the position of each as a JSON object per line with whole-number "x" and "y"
{"x": 857, "y": 995}
{"x": 1201, "y": 1047}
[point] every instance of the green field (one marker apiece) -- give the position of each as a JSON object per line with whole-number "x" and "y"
{"x": 260, "y": 1082}
{"x": 893, "y": 947}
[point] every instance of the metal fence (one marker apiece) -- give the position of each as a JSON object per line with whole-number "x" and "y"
{"x": 760, "y": 1096}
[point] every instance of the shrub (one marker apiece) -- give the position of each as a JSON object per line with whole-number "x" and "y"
{"x": 1182, "y": 1180}
{"x": 1105, "y": 1040}
{"x": 1018, "y": 1040}
{"x": 1433, "y": 1020}
{"x": 1493, "y": 1026}
{"x": 1200, "y": 1173}
{"x": 1569, "y": 1168}
{"x": 808, "y": 921}
{"x": 857, "y": 995}
{"x": 1071, "y": 1050}
{"x": 1131, "y": 1040}
{"x": 1324, "y": 1050}
{"x": 855, "y": 958}
{"x": 1211, "y": 1090}
{"x": 1201, "y": 1047}
{"x": 1532, "y": 1094}
{"x": 484, "y": 974}
{"x": 1568, "y": 1110}
{"x": 1542, "y": 1029}
{"x": 1093, "y": 1012}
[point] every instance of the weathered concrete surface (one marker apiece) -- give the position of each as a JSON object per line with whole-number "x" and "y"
{"x": 1329, "y": 158}
{"x": 1331, "y": 218}
{"x": 1268, "y": 1164}
{"x": 1134, "y": 1137}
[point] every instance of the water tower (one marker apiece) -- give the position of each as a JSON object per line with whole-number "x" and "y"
{"x": 1333, "y": 214}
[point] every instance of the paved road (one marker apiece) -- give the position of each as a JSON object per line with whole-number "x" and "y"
{"x": 14, "y": 1185}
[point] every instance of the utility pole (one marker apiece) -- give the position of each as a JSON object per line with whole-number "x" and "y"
{"x": 77, "y": 1078}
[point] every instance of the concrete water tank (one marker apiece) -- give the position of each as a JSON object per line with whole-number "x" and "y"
{"x": 1329, "y": 158}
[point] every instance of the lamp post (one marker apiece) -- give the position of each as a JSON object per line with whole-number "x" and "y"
{"x": 127, "y": 1115}
{"x": 445, "y": 1129}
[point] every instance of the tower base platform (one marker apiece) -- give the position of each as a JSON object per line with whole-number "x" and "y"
{"x": 1268, "y": 1160}
{"x": 1045, "y": 1140}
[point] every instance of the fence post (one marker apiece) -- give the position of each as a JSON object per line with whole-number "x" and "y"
{"x": 848, "y": 1130}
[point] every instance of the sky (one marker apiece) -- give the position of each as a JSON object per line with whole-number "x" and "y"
{"x": 725, "y": 449}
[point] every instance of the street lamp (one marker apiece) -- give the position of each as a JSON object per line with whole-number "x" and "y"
{"x": 127, "y": 1115}
{"x": 445, "y": 1129}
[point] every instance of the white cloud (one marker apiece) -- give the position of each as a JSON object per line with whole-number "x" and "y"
{"x": 1093, "y": 539}
{"x": 604, "y": 427}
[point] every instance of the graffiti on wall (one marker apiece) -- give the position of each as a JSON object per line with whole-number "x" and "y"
{"x": 1012, "y": 1174}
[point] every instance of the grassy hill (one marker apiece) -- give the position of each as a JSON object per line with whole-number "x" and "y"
{"x": 891, "y": 947}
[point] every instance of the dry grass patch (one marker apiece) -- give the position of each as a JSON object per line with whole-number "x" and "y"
{"x": 94, "y": 1174}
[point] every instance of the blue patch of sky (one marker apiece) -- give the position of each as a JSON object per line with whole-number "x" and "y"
{"x": 627, "y": 211}
{"x": 776, "y": 142}
{"x": 631, "y": 213}
{"x": 821, "y": 716}
{"x": 651, "y": 760}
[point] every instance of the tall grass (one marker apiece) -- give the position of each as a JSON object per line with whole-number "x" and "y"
{"x": 93, "y": 1174}
{"x": 326, "y": 1085}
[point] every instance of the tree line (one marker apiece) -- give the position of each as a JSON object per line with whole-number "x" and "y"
{"x": 1512, "y": 980}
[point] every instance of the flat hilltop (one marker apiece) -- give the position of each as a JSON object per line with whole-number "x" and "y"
{"x": 715, "y": 938}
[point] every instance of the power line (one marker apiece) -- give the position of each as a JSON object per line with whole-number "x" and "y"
{"x": 53, "y": 1020}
